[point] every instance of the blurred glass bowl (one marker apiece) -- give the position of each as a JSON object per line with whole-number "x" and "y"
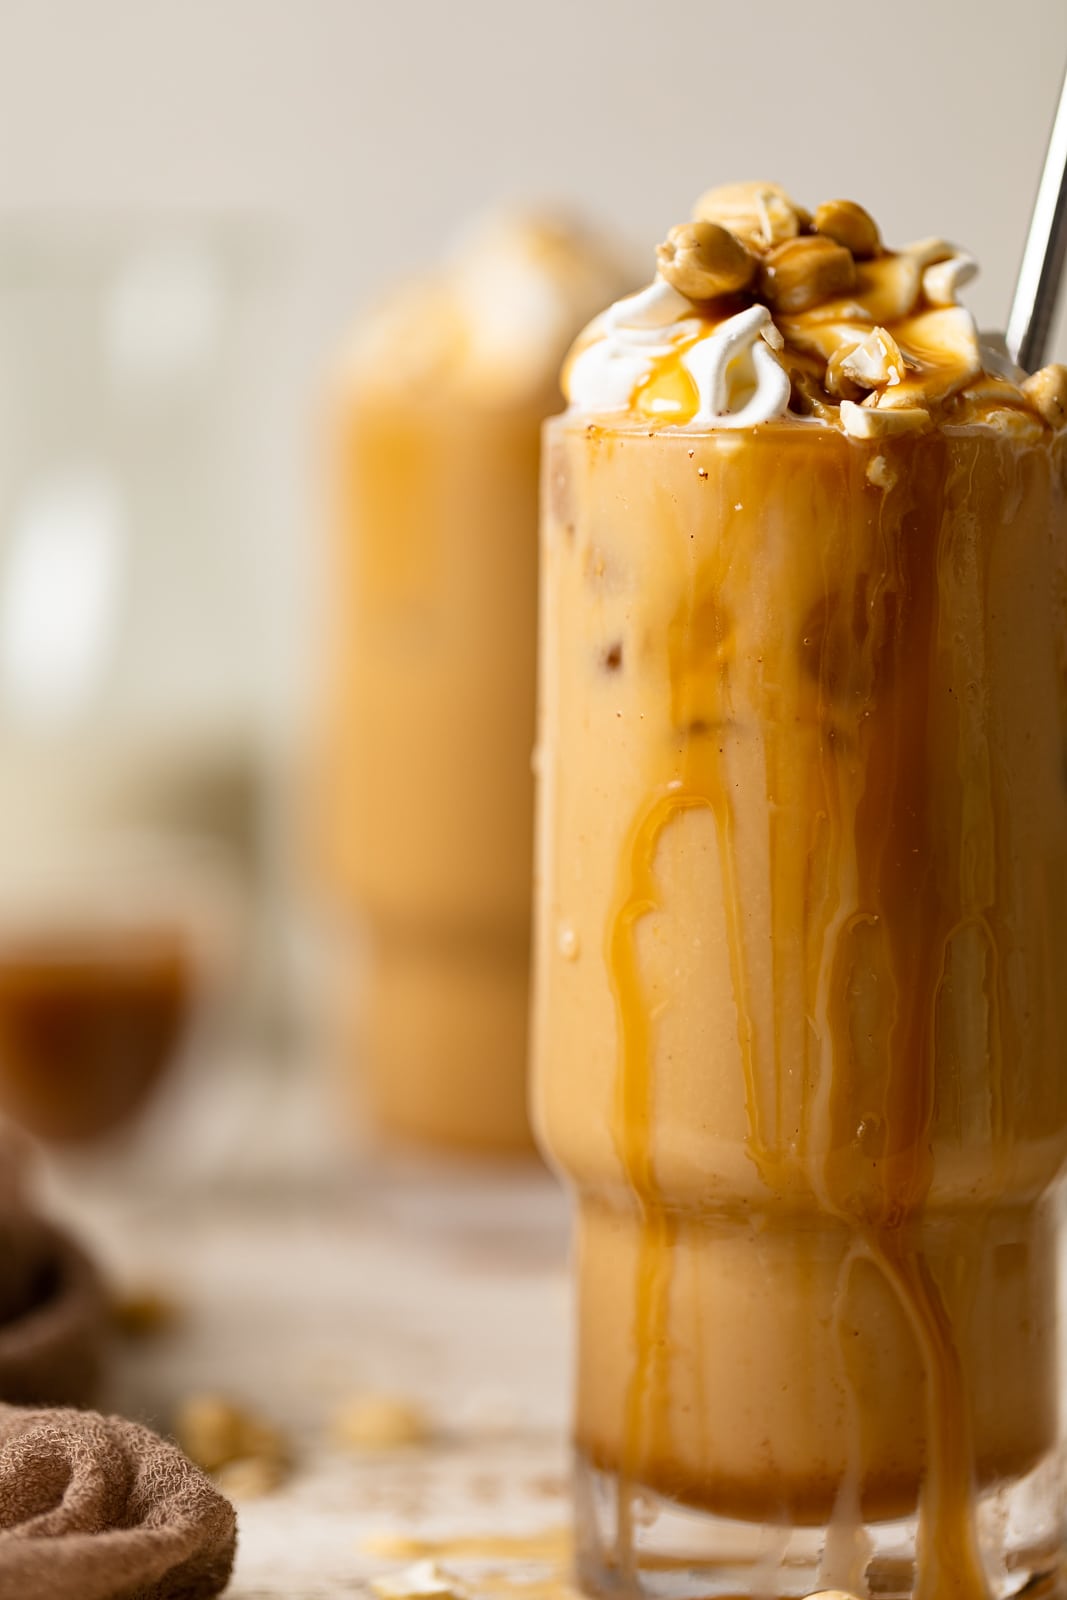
{"x": 116, "y": 957}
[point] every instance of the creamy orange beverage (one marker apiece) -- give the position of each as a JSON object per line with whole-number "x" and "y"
{"x": 800, "y": 1003}
{"x": 425, "y": 799}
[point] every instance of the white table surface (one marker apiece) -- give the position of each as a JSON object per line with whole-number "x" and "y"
{"x": 446, "y": 1287}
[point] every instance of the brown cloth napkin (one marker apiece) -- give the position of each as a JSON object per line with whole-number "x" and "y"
{"x": 96, "y": 1508}
{"x": 53, "y": 1314}
{"x": 53, "y": 1309}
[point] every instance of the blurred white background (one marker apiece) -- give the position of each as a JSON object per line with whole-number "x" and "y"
{"x": 197, "y": 198}
{"x": 364, "y": 133}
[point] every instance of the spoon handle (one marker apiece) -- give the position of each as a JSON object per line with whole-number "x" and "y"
{"x": 1041, "y": 271}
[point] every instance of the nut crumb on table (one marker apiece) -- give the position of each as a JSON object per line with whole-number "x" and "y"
{"x": 247, "y": 1455}
{"x": 380, "y": 1422}
{"x": 425, "y": 1580}
{"x": 251, "y": 1477}
{"x": 144, "y": 1312}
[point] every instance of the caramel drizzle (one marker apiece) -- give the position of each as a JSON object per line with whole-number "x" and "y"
{"x": 633, "y": 1110}
{"x": 948, "y": 1559}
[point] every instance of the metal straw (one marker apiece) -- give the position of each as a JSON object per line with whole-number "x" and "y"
{"x": 1041, "y": 272}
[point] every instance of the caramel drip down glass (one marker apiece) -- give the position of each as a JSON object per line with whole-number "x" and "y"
{"x": 801, "y": 1000}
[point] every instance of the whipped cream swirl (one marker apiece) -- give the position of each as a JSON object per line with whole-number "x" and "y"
{"x": 739, "y": 379}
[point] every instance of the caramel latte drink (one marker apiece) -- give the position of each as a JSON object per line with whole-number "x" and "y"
{"x": 425, "y": 802}
{"x": 801, "y": 956}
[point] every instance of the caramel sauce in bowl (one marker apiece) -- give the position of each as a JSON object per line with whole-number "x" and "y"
{"x": 89, "y": 1024}
{"x": 109, "y": 960}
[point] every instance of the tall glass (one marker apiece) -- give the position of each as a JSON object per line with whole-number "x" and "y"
{"x": 800, "y": 1001}
{"x": 424, "y": 804}
{"x": 427, "y": 807}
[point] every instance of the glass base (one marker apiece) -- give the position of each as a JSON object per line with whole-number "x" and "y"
{"x": 678, "y": 1552}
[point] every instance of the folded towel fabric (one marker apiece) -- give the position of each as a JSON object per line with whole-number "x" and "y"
{"x": 97, "y": 1508}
